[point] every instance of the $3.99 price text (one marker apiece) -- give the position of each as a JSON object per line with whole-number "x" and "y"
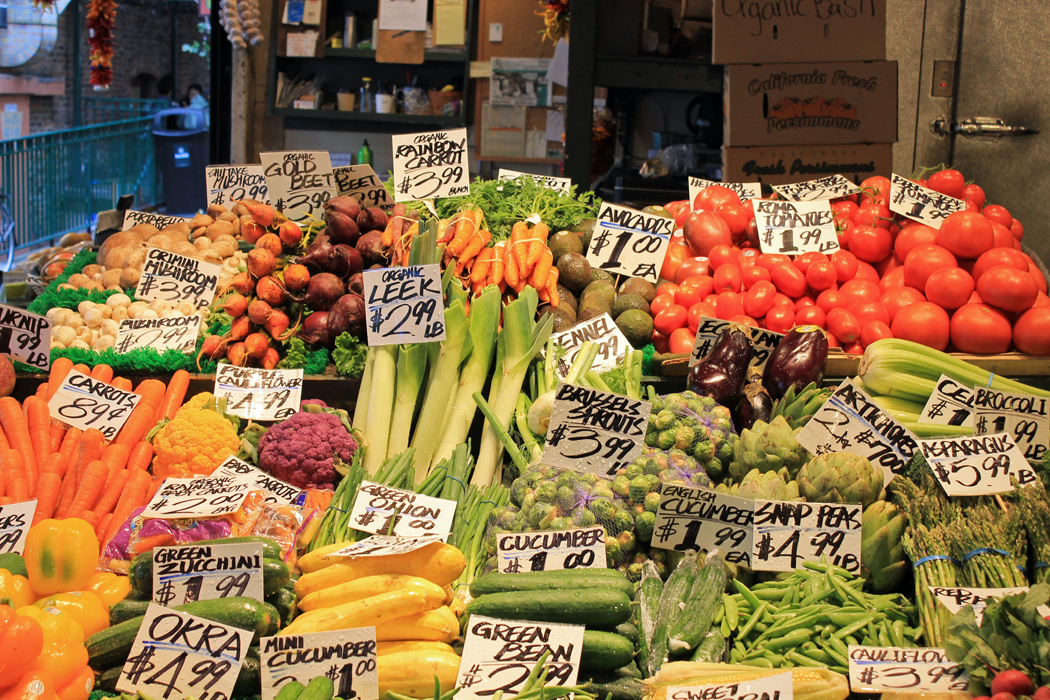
{"x": 907, "y": 677}
{"x": 585, "y": 443}
{"x": 426, "y": 184}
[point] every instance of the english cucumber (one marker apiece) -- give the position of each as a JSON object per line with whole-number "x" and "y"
{"x": 689, "y": 629}
{"x": 711, "y": 649}
{"x": 672, "y": 598}
{"x": 648, "y": 600}
{"x": 593, "y": 607}
{"x": 568, "y": 579}
{"x": 605, "y": 651}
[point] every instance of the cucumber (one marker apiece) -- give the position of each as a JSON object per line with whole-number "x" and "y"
{"x": 319, "y": 688}
{"x": 107, "y": 680}
{"x": 629, "y": 671}
{"x": 275, "y": 572}
{"x": 711, "y": 649}
{"x": 126, "y": 610}
{"x": 593, "y": 607}
{"x": 274, "y": 616}
{"x": 111, "y": 646}
{"x": 291, "y": 691}
{"x": 249, "y": 678}
{"x": 675, "y": 591}
{"x": 285, "y": 601}
{"x": 275, "y": 575}
{"x": 569, "y": 579}
{"x": 271, "y": 550}
{"x": 704, "y": 599}
{"x": 648, "y": 599}
{"x": 605, "y": 651}
{"x": 628, "y": 630}
{"x": 136, "y": 594}
{"x": 617, "y": 689}
{"x": 14, "y": 563}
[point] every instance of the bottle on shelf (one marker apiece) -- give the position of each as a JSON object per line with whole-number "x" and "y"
{"x": 367, "y": 101}
{"x": 364, "y": 156}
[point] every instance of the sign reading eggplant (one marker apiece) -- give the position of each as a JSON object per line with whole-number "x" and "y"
{"x": 897, "y": 670}
{"x": 909, "y": 198}
{"x": 347, "y": 657}
{"x": 198, "y": 497}
{"x": 430, "y": 166}
{"x": 228, "y": 184}
{"x": 159, "y": 221}
{"x": 697, "y": 518}
{"x": 25, "y": 337}
{"x": 517, "y": 552}
{"x": 276, "y": 490}
{"x": 788, "y": 533}
{"x": 299, "y": 182}
{"x": 177, "y": 333}
{"x": 173, "y": 277}
{"x": 404, "y": 305}
{"x": 362, "y": 182}
{"x": 83, "y": 402}
{"x": 977, "y": 465}
{"x": 1023, "y": 416}
{"x": 793, "y": 228}
{"x": 384, "y": 510}
{"x": 593, "y": 431}
{"x": 15, "y": 520}
{"x": 776, "y": 687}
{"x": 558, "y": 184}
{"x": 830, "y": 187}
{"x": 612, "y": 344}
{"x": 763, "y": 342}
{"x": 851, "y": 422}
{"x": 745, "y": 190}
{"x": 259, "y": 394}
{"x": 951, "y": 403}
{"x": 630, "y": 242}
{"x": 187, "y": 573}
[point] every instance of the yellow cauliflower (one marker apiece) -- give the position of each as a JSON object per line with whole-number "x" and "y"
{"x": 195, "y": 442}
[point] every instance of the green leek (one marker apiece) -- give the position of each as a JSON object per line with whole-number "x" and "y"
{"x": 380, "y": 406}
{"x": 361, "y": 405}
{"x": 411, "y": 366}
{"x": 924, "y": 431}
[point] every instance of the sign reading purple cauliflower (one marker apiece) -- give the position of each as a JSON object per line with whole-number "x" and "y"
{"x": 305, "y": 449}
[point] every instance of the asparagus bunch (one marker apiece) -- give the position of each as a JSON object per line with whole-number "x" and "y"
{"x": 1033, "y": 503}
{"x": 991, "y": 546}
{"x": 930, "y": 554}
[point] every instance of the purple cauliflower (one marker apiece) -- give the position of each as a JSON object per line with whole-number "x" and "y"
{"x": 302, "y": 449}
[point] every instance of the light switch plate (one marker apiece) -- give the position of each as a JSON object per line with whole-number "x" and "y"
{"x": 943, "y": 79}
{"x": 495, "y": 32}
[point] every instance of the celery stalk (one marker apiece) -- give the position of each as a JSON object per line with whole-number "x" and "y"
{"x": 364, "y": 389}
{"x": 380, "y": 406}
{"x": 411, "y": 366}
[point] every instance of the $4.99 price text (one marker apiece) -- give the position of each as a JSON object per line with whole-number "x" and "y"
{"x": 788, "y": 533}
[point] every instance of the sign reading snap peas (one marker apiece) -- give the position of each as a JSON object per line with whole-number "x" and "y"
{"x": 83, "y": 402}
{"x": 793, "y": 228}
{"x": 789, "y": 533}
{"x": 432, "y": 165}
{"x": 227, "y": 184}
{"x": 404, "y": 305}
{"x": 630, "y": 242}
{"x": 299, "y": 182}
{"x": 25, "y": 336}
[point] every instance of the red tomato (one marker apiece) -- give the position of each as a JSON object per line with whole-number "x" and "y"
{"x": 876, "y": 330}
{"x": 710, "y": 198}
{"x": 981, "y": 330}
{"x": 802, "y": 262}
{"x": 676, "y": 253}
{"x": 696, "y": 311}
{"x": 681, "y": 341}
{"x": 853, "y": 349}
{"x": 843, "y": 229}
{"x": 811, "y": 316}
{"x": 759, "y": 299}
{"x": 1037, "y": 275}
{"x": 871, "y": 214}
{"x": 875, "y": 189}
{"x": 735, "y": 216}
{"x": 780, "y": 319}
{"x": 974, "y": 193}
{"x": 949, "y": 287}
{"x": 1007, "y": 288}
{"x": 749, "y": 256}
{"x": 704, "y": 230}
{"x": 924, "y": 323}
{"x": 868, "y": 311}
{"x": 833, "y": 342}
{"x": 866, "y": 272}
{"x": 803, "y": 302}
{"x": 661, "y": 343}
{"x": 999, "y": 256}
{"x": 966, "y": 234}
{"x": 670, "y": 319}
{"x": 870, "y": 243}
{"x": 711, "y": 299}
{"x": 1001, "y": 236}
{"x": 704, "y": 282}
{"x": 830, "y": 299}
{"x": 950, "y": 182}
{"x": 889, "y": 263}
{"x": 844, "y": 209}
{"x": 729, "y": 304}
{"x": 821, "y": 275}
{"x": 999, "y": 214}
{"x": 845, "y": 264}
{"x": 789, "y": 280}
{"x": 1041, "y": 300}
{"x": 1017, "y": 229}
{"x": 858, "y": 290}
{"x": 1032, "y": 332}
{"x": 661, "y": 302}
{"x": 771, "y": 260}
{"x": 744, "y": 319}
{"x": 912, "y": 236}
{"x": 896, "y": 299}
{"x": 892, "y": 279}
{"x": 754, "y": 273}
{"x": 668, "y": 287}
{"x": 780, "y": 299}
{"x": 922, "y": 261}
{"x": 691, "y": 267}
{"x": 727, "y": 279}
{"x": 844, "y": 325}
{"x": 688, "y": 294}
{"x": 720, "y": 255}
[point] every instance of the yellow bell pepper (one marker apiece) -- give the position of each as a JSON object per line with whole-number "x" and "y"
{"x": 34, "y": 685}
{"x": 58, "y": 626}
{"x": 16, "y": 588}
{"x": 109, "y": 587}
{"x": 60, "y": 555}
{"x": 63, "y": 655}
{"x": 83, "y": 606}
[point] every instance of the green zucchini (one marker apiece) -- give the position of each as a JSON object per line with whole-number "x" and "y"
{"x": 107, "y": 680}
{"x": 249, "y": 678}
{"x": 13, "y": 562}
{"x": 290, "y": 691}
{"x": 628, "y": 630}
{"x": 126, "y": 610}
{"x": 319, "y": 688}
{"x": 711, "y": 649}
{"x": 271, "y": 550}
{"x": 605, "y": 651}
{"x": 285, "y": 601}
{"x": 568, "y": 579}
{"x": 704, "y": 599}
{"x": 675, "y": 591}
{"x": 275, "y": 573}
{"x": 648, "y": 600}
{"x": 274, "y": 616}
{"x": 593, "y": 607}
{"x": 617, "y": 689}
{"x": 136, "y": 594}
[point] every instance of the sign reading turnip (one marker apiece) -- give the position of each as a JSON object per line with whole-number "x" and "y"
{"x": 629, "y": 242}
{"x": 25, "y": 336}
{"x": 909, "y": 198}
{"x": 299, "y": 182}
{"x": 228, "y": 184}
{"x": 793, "y": 228}
{"x": 830, "y": 187}
{"x": 429, "y": 166}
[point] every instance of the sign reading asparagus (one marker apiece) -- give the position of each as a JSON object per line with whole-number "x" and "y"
{"x": 430, "y": 166}
{"x": 25, "y": 337}
{"x": 174, "y": 278}
{"x": 362, "y": 182}
{"x": 698, "y": 518}
{"x": 191, "y": 572}
{"x": 404, "y": 305}
{"x": 178, "y": 333}
{"x": 228, "y": 184}
{"x": 710, "y": 330}
{"x": 383, "y": 510}
{"x": 897, "y": 670}
{"x": 259, "y": 394}
{"x": 793, "y": 228}
{"x": 299, "y": 182}
{"x": 583, "y": 548}
{"x": 830, "y": 187}
{"x": 788, "y": 533}
{"x": 909, "y": 198}
{"x": 83, "y": 402}
{"x": 630, "y": 242}
{"x": 977, "y": 465}
{"x": 198, "y": 497}
{"x": 1023, "y": 416}
{"x": 347, "y": 657}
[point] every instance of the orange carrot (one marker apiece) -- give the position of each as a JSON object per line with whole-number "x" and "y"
{"x": 92, "y": 443}
{"x": 40, "y": 435}
{"x": 499, "y": 252}
{"x": 152, "y": 393}
{"x": 70, "y": 448}
{"x": 477, "y": 242}
{"x": 141, "y": 456}
{"x": 116, "y": 456}
{"x": 518, "y": 251}
{"x": 103, "y": 525}
{"x": 510, "y": 268}
{"x": 154, "y": 485}
{"x": 133, "y": 497}
{"x": 59, "y": 369}
{"x": 41, "y": 390}
{"x": 17, "y": 430}
{"x": 89, "y": 489}
{"x": 65, "y": 497}
{"x": 89, "y": 517}
{"x": 552, "y": 287}
{"x": 468, "y": 226}
{"x": 537, "y": 244}
{"x": 111, "y": 494}
{"x": 83, "y": 369}
{"x": 140, "y": 422}
{"x": 3, "y": 482}
{"x": 4, "y": 444}
{"x": 121, "y": 383}
{"x": 18, "y": 490}
{"x": 544, "y": 295}
{"x": 48, "y": 492}
{"x": 542, "y": 270}
{"x": 58, "y": 432}
{"x": 103, "y": 373}
{"x": 12, "y": 461}
{"x": 175, "y": 395}
{"x": 54, "y": 463}
{"x": 480, "y": 272}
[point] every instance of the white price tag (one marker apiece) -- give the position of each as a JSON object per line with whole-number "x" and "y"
{"x": 594, "y": 431}
{"x": 518, "y": 552}
{"x": 347, "y": 656}
{"x": 745, "y": 190}
{"x": 1023, "y": 416}
{"x": 276, "y": 490}
{"x": 404, "y": 305}
{"x": 763, "y": 342}
{"x": 227, "y": 184}
{"x": 897, "y": 670}
{"x": 613, "y": 344}
{"x": 175, "y": 278}
{"x": 259, "y": 394}
{"x": 15, "y": 520}
{"x": 383, "y": 510}
{"x": 198, "y": 497}
{"x": 630, "y": 242}
{"x": 788, "y": 533}
{"x": 778, "y": 687}
{"x": 430, "y": 166}
{"x": 851, "y": 422}
{"x": 830, "y": 187}
{"x": 977, "y": 465}
{"x": 299, "y": 182}
{"x": 920, "y": 203}
{"x": 496, "y": 659}
{"x": 362, "y": 182}
{"x": 955, "y": 599}
{"x": 793, "y": 228}
{"x": 187, "y": 573}
{"x": 558, "y": 184}
{"x": 160, "y": 221}
{"x": 25, "y": 337}
{"x": 83, "y": 402}
{"x": 382, "y": 546}
{"x": 178, "y": 655}
{"x": 951, "y": 403}
{"x": 161, "y": 334}
{"x": 698, "y": 518}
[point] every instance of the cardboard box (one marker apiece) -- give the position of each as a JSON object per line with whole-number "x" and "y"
{"x": 778, "y": 104}
{"x": 778, "y": 165}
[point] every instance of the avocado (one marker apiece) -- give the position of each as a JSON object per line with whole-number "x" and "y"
{"x": 567, "y": 298}
{"x": 599, "y": 274}
{"x": 585, "y": 228}
{"x": 637, "y": 325}
{"x": 629, "y": 301}
{"x": 565, "y": 242}
{"x": 574, "y": 271}
{"x": 604, "y": 288}
{"x": 593, "y": 306}
{"x": 639, "y": 286}
{"x": 564, "y": 318}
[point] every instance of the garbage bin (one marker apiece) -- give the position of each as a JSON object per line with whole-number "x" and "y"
{"x": 181, "y": 136}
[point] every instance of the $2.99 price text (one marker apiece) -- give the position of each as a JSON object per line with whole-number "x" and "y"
{"x": 404, "y": 305}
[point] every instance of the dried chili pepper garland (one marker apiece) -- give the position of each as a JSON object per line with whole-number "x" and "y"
{"x": 555, "y": 16}
{"x": 100, "y": 18}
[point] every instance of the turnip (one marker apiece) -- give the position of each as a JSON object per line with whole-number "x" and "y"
{"x": 1041, "y": 693}
{"x": 235, "y": 305}
{"x": 272, "y": 243}
{"x": 237, "y": 354}
{"x": 1012, "y": 682}
{"x": 261, "y": 262}
{"x": 270, "y": 290}
{"x": 259, "y": 311}
{"x": 290, "y": 233}
{"x": 256, "y": 345}
{"x": 296, "y": 277}
{"x": 263, "y": 214}
{"x": 270, "y": 359}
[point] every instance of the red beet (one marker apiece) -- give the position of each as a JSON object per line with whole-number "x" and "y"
{"x": 344, "y": 261}
{"x": 347, "y": 316}
{"x": 357, "y": 284}
{"x": 1013, "y": 682}
{"x": 323, "y": 292}
{"x": 270, "y": 290}
{"x": 343, "y": 204}
{"x": 296, "y": 277}
{"x": 316, "y": 256}
{"x": 315, "y": 328}
{"x": 341, "y": 228}
{"x": 370, "y": 246}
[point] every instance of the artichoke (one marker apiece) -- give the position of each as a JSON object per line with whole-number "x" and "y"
{"x": 768, "y": 447}
{"x": 840, "y": 477}
{"x": 883, "y": 563}
{"x": 770, "y": 486}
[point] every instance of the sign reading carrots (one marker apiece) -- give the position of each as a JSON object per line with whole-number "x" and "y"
{"x": 83, "y": 402}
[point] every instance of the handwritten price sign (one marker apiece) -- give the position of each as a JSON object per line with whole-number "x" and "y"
{"x": 404, "y": 305}
{"x": 383, "y": 546}
{"x": 558, "y": 184}
{"x": 361, "y": 181}
{"x": 161, "y": 334}
{"x": 299, "y": 182}
{"x": 763, "y": 342}
{"x": 977, "y": 465}
{"x": 831, "y": 187}
{"x": 583, "y": 548}
{"x": 347, "y": 657}
{"x": 745, "y": 190}
{"x": 793, "y": 228}
{"x": 778, "y": 687}
{"x": 630, "y": 242}
{"x": 914, "y": 201}
{"x": 15, "y": 520}
{"x": 198, "y": 497}
{"x": 25, "y": 336}
{"x": 228, "y": 184}
{"x": 612, "y": 344}
{"x": 190, "y": 572}
{"x": 789, "y": 533}
{"x": 897, "y": 670}
{"x": 83, "y": 402}
{"x": 259, "y": 394}
{"x": 951, "y": 403}
{"x": 276, "y": 490}
{"x": 159, "y": 221}
{"x": 1024, "y": 417}
{"x": 697, "y": 518}
{"x": 173, "y": 277}
{"x": 383, "y": 510}
{"x": 429, "y": 166}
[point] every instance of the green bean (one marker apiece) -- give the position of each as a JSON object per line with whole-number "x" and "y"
{"x": 752, "y": 621}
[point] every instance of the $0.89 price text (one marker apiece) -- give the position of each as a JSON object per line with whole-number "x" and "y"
{"x": 347, "y": 657}
{"x": 188, "y": 573}
{"x": 404, "y": 305}
{"x": 788, "y": 534}
{"x": 83, "y": 402}
{"x": 429, "y": 166}
{"x": 893, "y": 669}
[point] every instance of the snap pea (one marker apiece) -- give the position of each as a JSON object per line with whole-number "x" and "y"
{"x": 855, "y": 627}
{"x": 759, "y": 662}
{"x": 752, "y": 621}
{"x": 723, "y": 627}
{"x": 803, "y": 660}
{"x": 732, "y": 613}
{"x": 746, "y": 593}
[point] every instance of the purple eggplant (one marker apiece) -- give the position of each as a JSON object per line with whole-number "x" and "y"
{"x": 755, "y": 403}
{"x": 798, "y": 360}
{"x": 721, "y": 373}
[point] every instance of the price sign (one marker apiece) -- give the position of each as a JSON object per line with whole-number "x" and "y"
{"x": 15, "y": 520}
{"x": 789, "y": 533}
{"x": 178, "y": 655}
{"x": 25, "y": 337}
{"x": 83, "y": 402}
{"x": 430, "y": 166}
{"x": 851, "y": 422}
{"x": 198, "y": 497}
{"x": 710, "y": 330}
{"x": 1023, "y": 416}
{"x": 404, "y": 305}
{"x": 778, "y": 687}
{"x": 259, "y": 394}
{"x": 362, "y": 182}
{"x": 922, "y": 204}
{"x": 793, "y": 228}
{"x": 227, "y": 184}
{"x": 584, "y": 548}
{"x": 558, "y": 184}
{"x": 383, "y": 510}
{"x": 630, "y": 242}
{"x": 382, "y": 546}
{"x": 831, "y": 187}
{"x": 191, "y": 572}
{"x": 951, "y": 403}
{"x": 955, "y": 599}
{"x": 160, "y": 221}
{"x": 977, "y": 465}
{"x": 897, "y": 670}
{"x": 299, "y": 182}
{"x": 161, "y": 334}
{"x": 175, "y": 278}
{"x": 698, "y": 518}
{"x": 276, "y": 490}
{"x": 612, "y": 348}
{"x": 745, "y": 190}
{"x": 496, "y": 659}
{"x": 347, "y": 656}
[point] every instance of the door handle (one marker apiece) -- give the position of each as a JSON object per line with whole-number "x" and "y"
{"x": 979, "y": 126}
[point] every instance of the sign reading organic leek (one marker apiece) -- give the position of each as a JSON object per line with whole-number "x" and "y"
{"x": 1024, "y": 417}
{"x": 404, "y": 305}
{"x": 788, "y": 533}
{"x": 830, "y": 187}
{"x": 793, "y": 228}
{"x": 897, "y": 670}
{"x": 629, "y": 242}
{"x": 25, "y": 336}
{"x": 745, "y": 190}
{"x": 951, "y": 403}
{"x": 347, "y": 657}
{"x": 909, "y": 198}
{"x": 697, "y": 518}
{"x": 763, "y": 342}
{"x": 977, "y": 465}
{"x": 518, "y": 552}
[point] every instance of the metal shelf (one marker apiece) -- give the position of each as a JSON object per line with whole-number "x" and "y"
{"x": 374, "y": 117}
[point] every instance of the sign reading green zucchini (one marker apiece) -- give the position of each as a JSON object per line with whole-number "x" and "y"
{"x": 185, "y": 573}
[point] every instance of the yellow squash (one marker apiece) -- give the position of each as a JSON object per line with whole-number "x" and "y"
{"x": 367, "y": 612}
{"x": 361, "y": 588}
{"x": 412, "y": 673}
{"x": 438, "y": 562}
{"x": 384, "y": 648}
{"x": 440, "y": 625}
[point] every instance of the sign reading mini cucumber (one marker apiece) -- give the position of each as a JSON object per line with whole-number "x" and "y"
{"x": 340, "y": 663}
